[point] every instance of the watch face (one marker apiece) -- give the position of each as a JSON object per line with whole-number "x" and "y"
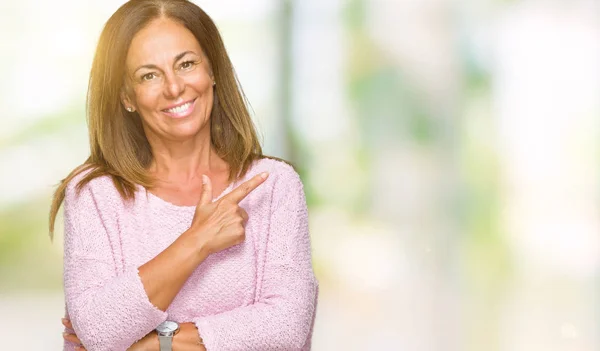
{"x": 167, "y": 327}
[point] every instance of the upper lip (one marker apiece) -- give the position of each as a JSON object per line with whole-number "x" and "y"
{"x": 178, "y": 104}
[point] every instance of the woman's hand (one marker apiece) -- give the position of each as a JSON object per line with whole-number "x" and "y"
{"x": 220, "y": 224}
{"x": 147, "y": 343}
{"x": 71, "y": 337}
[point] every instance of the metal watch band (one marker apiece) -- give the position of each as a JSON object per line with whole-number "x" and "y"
{"x": 166, "y": 343}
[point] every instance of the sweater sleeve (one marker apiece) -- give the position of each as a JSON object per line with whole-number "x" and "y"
{"x": 282, "y": 318}
{"x": 107, "y": 305}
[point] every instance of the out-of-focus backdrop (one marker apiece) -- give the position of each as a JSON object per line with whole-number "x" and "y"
{"x": 449, "y": 150}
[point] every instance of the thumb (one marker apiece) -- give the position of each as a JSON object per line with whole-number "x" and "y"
{"x": 207, "y": 195}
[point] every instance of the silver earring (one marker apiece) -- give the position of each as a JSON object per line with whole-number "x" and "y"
{"x": 129, "y": 109}
{"x": 214, "y": 83}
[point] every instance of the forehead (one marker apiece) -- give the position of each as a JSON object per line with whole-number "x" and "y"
{"x": 162, "y": 39}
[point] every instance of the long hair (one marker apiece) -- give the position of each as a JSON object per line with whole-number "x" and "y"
{"x": 118, "y": 145}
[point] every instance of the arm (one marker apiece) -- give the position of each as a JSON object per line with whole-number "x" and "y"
{"x": 186, "y": 340}
{"x": 111, "y": 310}
{"x": 283, "y": 316}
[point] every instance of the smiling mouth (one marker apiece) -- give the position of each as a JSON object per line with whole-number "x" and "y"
{"x": 182, "y": 110}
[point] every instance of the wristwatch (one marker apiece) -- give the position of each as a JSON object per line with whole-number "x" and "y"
{"x": 166, "y": 330}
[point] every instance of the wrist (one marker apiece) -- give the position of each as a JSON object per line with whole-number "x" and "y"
{"x": 154, "y": 343}
{"x": 198, "y": 239}
{"x": 166, "y": 331}
{"x": 188, "y": 338}
{"x": 192, "y": 240}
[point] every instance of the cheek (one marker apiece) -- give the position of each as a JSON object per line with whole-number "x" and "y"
{"x": 200, "y": 82}
{"x": 146, "y": 98}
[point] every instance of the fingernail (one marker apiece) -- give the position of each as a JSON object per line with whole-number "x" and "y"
{"x": 204, "y": 179}
{"x": 264, "y": 175}
{"x": 65, "y": 334}
{"x": 64, "y": 320}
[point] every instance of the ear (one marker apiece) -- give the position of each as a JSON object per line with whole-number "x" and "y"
{"x": 212, "y": 76}
{"x": 126, "y": 101}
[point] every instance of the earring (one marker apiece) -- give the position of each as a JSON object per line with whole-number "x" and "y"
{"x": 129, "y": 109}
{"x": 214, "y": 83}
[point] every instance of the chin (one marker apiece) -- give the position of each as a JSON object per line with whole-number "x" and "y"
{"x": 185, "y": 132}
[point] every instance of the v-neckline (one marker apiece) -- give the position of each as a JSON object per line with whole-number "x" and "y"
{"x": 184, "y": 207}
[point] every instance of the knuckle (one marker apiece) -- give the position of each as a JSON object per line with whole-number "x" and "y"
{"x": 238, "y": 229}
{"x": 222, "y": 206}
{"x": 232, "y": 210}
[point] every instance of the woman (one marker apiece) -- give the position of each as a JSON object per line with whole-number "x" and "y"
{"x": 146, "y": 240}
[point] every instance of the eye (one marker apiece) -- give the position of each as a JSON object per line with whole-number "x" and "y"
{"x": 148, "y": 76}
{"x": 187, "y": 64}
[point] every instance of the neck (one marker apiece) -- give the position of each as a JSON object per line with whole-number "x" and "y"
{"x": 184, "y": 161}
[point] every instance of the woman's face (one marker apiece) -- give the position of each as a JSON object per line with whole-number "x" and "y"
{"x": 169, "y": 82}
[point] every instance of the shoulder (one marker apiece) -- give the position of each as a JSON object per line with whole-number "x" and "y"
{"x": 284, "y": 183}
{"x": 280, "y": 172}
{"x": 85, "y": 184}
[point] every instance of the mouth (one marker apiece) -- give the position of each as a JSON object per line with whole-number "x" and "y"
{"x": 182, "y": 110}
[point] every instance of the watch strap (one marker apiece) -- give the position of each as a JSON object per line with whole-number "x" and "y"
{"x": 166, "y": 343}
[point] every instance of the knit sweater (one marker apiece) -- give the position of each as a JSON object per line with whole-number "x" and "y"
{"x": 257, "y": 295}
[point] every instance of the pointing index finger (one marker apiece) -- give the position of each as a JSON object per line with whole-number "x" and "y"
{"x": 239, "y": 193}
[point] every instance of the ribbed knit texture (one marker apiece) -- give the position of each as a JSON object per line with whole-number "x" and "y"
{"x": 258, "y": 295}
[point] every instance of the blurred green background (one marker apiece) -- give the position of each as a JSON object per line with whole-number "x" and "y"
{"x": 449, "y": 150}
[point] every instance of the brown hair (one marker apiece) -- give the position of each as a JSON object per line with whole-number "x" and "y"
{"x": 118, "y": 145}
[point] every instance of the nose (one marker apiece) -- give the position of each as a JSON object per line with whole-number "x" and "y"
{"x": 174, "y": 85}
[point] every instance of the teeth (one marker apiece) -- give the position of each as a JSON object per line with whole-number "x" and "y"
{"x": 180, "y": 109}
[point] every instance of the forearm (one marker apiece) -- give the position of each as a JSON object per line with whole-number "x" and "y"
{"x": 165, "y": 274}
{"x": 282, "y": 321}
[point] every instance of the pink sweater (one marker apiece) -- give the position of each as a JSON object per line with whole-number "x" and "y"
{"x": 258, "y": 295}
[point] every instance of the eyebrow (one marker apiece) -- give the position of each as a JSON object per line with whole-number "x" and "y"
{"x": 177, "y": 58}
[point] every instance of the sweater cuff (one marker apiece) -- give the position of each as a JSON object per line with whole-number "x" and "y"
{"x": 206, "y": 333}
{"x": 120, "y": 315}
{"x": 140, "y": 295}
